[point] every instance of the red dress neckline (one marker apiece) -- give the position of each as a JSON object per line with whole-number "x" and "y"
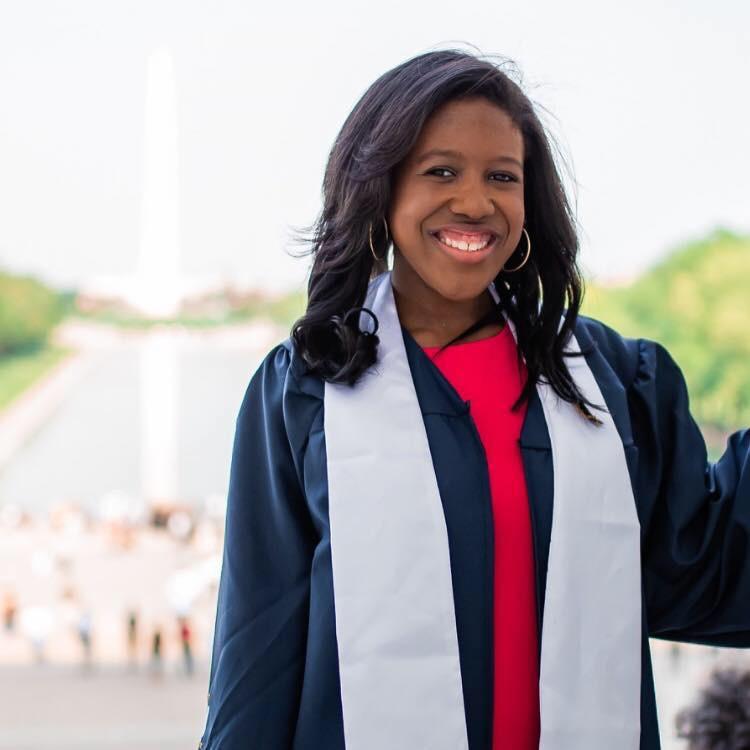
{"x": 486, "y": 339}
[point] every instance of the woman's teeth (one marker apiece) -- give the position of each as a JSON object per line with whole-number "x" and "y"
{"x": 470, "y": 246}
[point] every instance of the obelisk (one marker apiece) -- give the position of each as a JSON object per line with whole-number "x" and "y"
{"x": 157, "y": 282}
{"x": 157, "y": 287}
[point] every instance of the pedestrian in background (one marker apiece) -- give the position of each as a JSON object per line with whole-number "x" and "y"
{"x": 185, "y": 641}
{"x": 156, "y": 652}
{"x": 132, "y": 635}
{"x": 10, "y": 609}
{"x": 84, "y": 635}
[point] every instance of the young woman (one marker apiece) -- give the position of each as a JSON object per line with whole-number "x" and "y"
{"x": 458, "y": 509}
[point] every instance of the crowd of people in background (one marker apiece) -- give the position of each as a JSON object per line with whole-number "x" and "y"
{"x": 181, "y": 632}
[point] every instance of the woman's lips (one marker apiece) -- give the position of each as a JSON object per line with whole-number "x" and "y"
{"x": 466, "y": 256}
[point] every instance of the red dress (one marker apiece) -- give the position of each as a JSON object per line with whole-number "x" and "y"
{"x": 486, "y": 373}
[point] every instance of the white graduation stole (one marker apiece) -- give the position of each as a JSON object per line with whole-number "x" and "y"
{"x": 395, "y": 618}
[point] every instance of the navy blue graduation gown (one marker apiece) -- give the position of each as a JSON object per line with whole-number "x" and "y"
{"x": 274, "y": 679}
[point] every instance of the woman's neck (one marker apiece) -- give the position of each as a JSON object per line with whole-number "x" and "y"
{"x": 435, "y": 321}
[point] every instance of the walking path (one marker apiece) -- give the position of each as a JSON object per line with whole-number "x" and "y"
{"x": 45, "y": 707}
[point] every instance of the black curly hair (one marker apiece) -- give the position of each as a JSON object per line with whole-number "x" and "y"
{"x": 720, "y": 719}
{"x": 376, "y": 137}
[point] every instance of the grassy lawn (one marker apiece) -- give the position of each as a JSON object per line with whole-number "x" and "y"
{"x": 19, "y": 371}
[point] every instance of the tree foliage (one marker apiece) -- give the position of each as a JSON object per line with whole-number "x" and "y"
{"x": 28, "y": 312}
{"x": 697, "y": 304}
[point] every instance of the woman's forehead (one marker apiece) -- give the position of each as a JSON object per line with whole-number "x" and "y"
{"x": 470, "y": 128}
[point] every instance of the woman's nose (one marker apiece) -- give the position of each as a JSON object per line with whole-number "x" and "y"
{"x": 472, "y": 198}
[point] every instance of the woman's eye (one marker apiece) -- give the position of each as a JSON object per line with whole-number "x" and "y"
{"x": 439, "y": 169}
{"x": 507, "y": 177}
{"x": 504, "y": 175}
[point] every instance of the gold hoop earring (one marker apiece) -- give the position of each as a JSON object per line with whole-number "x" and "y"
{"x": 526, "y": 257}
{"x": 372, "y": 249}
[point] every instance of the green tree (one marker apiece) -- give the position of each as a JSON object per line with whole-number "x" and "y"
{"x": 697, "y": 304}
{"x": 28, "y": 312}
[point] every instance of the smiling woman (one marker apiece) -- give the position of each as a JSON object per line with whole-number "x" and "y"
{"x": 457, "y": 508}
{"x": 444, "y": 141}
{"x": 450, "y": 194}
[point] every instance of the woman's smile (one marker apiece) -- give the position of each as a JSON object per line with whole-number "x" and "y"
{"x": 465, "y": 247}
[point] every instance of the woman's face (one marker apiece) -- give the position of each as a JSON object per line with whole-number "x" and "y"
{"x": 471, "y": 197}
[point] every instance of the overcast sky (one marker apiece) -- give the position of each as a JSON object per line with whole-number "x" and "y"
{"x": 649, "y": 101}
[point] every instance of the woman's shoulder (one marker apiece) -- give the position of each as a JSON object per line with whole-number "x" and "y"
{"x": 282, "y": 368}
{"x": 283, "y": 392}
{"x": 636, "y": 361}
{"x": 620, "y": 351}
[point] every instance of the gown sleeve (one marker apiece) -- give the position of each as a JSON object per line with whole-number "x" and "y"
{"x": 696, "y": 530}
{"x": 260, "y": 634}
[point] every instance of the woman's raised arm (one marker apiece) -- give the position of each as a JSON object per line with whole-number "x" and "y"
{"x": 696, "y": 545}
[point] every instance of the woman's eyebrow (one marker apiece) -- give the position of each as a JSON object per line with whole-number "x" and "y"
{"x": 457, "y": 155}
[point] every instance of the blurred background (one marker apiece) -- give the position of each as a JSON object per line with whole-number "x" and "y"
{"x": 155, "y": 159}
